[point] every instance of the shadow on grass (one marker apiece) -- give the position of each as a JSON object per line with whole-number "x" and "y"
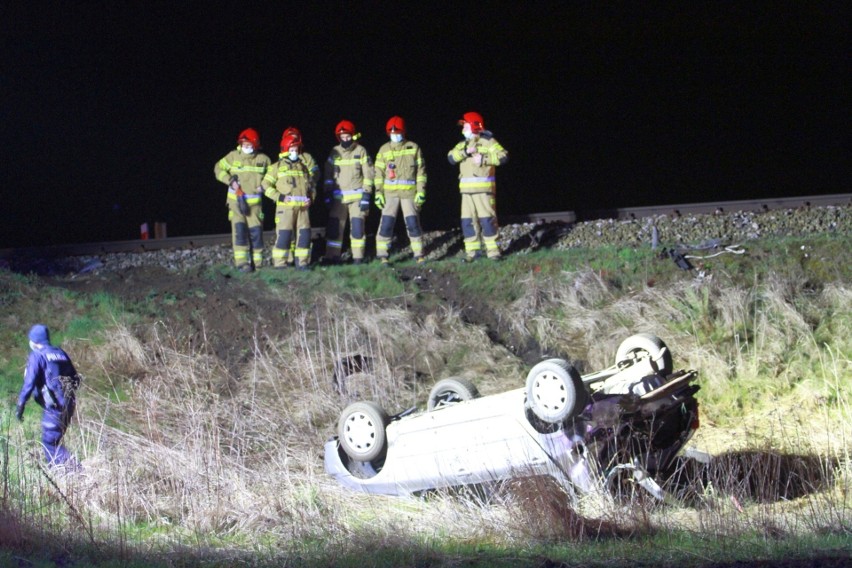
{"x": 753, "y": 475}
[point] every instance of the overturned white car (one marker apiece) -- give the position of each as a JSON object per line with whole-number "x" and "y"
{"x": 619, "y": 427}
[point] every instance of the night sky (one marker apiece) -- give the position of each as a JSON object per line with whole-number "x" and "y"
{"x": 114, "y": 116}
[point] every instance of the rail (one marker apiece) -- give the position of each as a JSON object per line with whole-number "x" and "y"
{"x": 756, "y": 205}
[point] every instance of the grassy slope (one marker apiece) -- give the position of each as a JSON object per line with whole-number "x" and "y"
{"x": 769, "y": 331}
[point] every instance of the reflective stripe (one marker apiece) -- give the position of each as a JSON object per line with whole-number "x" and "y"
{"x": 296, "y": 198}
{"x": 251, "y": 198}
{"x": 394, "y": 153}
{"x": 347, "y": 161}
{"x": 477, "y": 179}
{"x": 399, "y": 182}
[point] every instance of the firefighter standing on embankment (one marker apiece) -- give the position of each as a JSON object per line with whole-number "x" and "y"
{"x": 242, "y": 171}
{"x": 348, "y": 191}
{"x": 291, "y": 182}
{"x": 400, "y": 184}
{"x": 477, "y": 156}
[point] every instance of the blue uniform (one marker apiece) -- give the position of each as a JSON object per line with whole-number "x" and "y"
{"x": 50, "y": 378}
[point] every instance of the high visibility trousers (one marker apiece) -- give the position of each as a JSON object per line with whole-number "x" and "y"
{"x": 412, "y": 225}
{"x": 246, "y": 234}
{"x": 479, "y": 222}
{"x": 335, "y": 230}
{"x": 290, "y": 221}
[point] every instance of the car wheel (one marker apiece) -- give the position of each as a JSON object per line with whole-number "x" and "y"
{"x": 555, "y": 391}
{"x": 644, "y": 345}
{"x": 450, "y": 391}
{"x": 361, "y": 431}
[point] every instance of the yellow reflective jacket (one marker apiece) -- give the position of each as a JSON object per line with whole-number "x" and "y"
{"x": 348, "y": 173}
{"x": 249, "y": 168}
{"x": 292, "y": 183}
{"x": 473, "y": 178}
{"x": 400, "y": 168}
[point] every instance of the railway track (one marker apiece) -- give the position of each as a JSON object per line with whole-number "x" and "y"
{"x": 753, "y": 205}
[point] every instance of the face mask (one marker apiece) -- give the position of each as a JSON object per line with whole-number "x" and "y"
{"x": 33, "y": 346}
{"x": 396, "y": 137}
{"x": 247, "y": 149}
{"x": 294, "y": 155}
{"x": 467, "y": 132}
{"x": 347, "y": 144}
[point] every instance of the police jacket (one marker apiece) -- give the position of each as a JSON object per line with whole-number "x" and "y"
{"x": 249, "y": 168}
{"x": 400, "y": 168}
{"x": 292, "y": 184}
{"x": 42, "y": 378}
{"x": 348, "y": 173}
{"x": 473, "y": 178}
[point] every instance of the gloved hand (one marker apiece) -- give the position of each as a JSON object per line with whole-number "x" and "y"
{"x": 380, "y": 200}
{"x": 234, "y": 183}
{"x": 365, "y": 201}
{"x": 419, "y": 199}
{"x": 19, "y": 413}
{"x": 477, "y": 159}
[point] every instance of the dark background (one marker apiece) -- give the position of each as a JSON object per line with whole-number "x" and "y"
{"x": 115, "y": 114}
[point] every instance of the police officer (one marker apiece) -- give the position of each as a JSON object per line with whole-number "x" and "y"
{"x": 242, "y": 171}
{"x": 291, "y": 182}
{"x": 348, "y": 190}
{"x": 400, "y": 184}
{"x": 477, "y": 156}
{"x": 51, "y": 379}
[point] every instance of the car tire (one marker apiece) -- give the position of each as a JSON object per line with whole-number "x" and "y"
{"x": 646, "y": 344}
{"x": 450, "y": 391}
{"x": 555, "y": 391}
{"x": 361, "y": 431}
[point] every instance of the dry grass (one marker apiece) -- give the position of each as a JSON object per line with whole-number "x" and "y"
{"x": 184, "y": 446}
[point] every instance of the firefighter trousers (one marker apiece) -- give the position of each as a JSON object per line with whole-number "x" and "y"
{"x": 479, "y": 222}
{"x": 410, "y": 213}
{"x": 338, "y": 214}
{"x": 292, "y": 224}
{"x": 247, "y": 234}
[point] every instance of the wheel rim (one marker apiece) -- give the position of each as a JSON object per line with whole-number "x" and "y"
{"x": 360, "y": 432}
{"x": 549, "y": 392}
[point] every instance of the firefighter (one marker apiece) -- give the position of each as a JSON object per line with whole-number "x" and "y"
{"x": 400, "y": 183}
{"x": 348, "y": 191}
{"x": 242, "y": 170}
{"x": 51, "y": 379}
{"x": 291, "y": 182}
{"x": 477, "y": 156}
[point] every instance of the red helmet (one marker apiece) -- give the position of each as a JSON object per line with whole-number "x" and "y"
{"x": 291, "y": 137}
{"x": 344, "y": 127}
{"x": 395, "y": 124}
{"x": 477, "y": 124}
{"x": 292, "y": 130}
{"x": 249, "y": 135}
{"x": 289, "y": 140}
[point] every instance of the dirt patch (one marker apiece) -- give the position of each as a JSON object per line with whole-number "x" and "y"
{"x": 473, "y": 310}
{"x": 217, "y": 310}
